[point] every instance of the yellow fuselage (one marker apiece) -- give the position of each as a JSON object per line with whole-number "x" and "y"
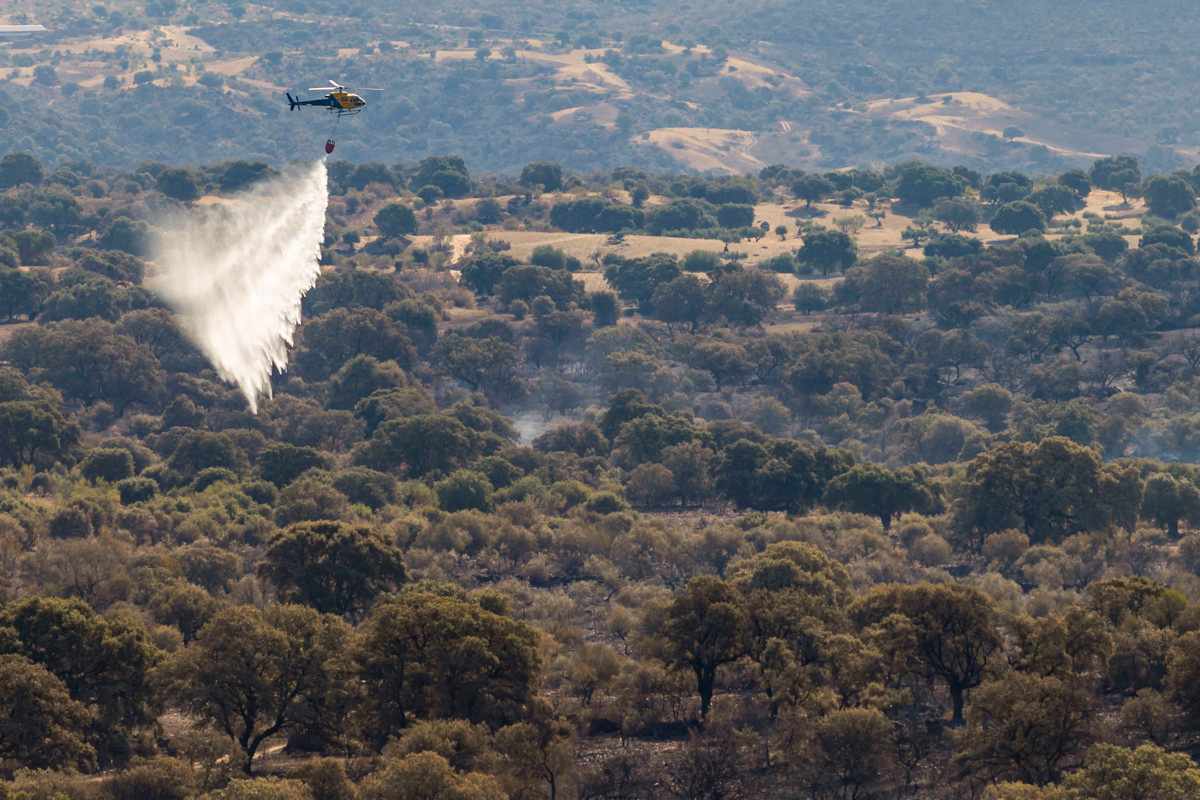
{"x": 347, "y": 101}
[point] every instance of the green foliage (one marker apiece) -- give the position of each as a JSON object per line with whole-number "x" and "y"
{"x": 30, "y": 430}
{"x": 733, "y": 215}
{"x": 20, "y": 294}
{"x": 810, "y": 297}
{"x": 448, "y": 173}
{"x": 593, "y": 215}
{"x": 472, "y": 664}
{"x": 264, "y": 789}
{"x": 366, "y": 487}
{"x": 201, "y": 450}
{"x": 332, "y": 339}
{"x": 186, "y": 606}
{"x": 109, "y": 464}
{"x": 109, "y": 366}
{"x": 250, "y": 674}
{"x": 1018, "y": 218}
{"x": 481, "y": 274}
{"x": 1025, "y": 388}
{"x": 1055, "y": 199}
{"x": 704, "y": 261}
{"x": 784, "y": 263}
{"x": 178, "y": 184}
{"x": 309, "y": 498}
{"x": 395, "y": 220}
{"x": 112, "y": 265}
{"x": 683, "y": 299}
{"x": 952, "y": 246}
{"x": 19, "y": 168}
{"x": 744, "y": 297}
{"x": 811, "y": 188}
{"x": 549, "y": 256}
{"x": 923, "y": 185}
{"x": 327, "y": 780}
{"x": 1049, "y": 490}
{"x": 44, "y": 726}
{"x": 351, "y": 289}
{"x": 852, "y": 750}
{"x": 158, "y": 778}
{"x": 957, "y": 214}
{"x": 126, "y": 235}
{"x": 417, "y": 445}
{"x": 1116, "y": 173}
{"x": 465, "y": 489}
{"x": 530, "y": 282}
{"x": 778, "y": 475}
{"x": 488, "y": 364}
{"x": 636, "y": 279}
{"x": 1168, "y": 500}
{"x": 681, "y": 215}
{"x": 283, "y": 463}
{"x": 1025, "y": 727}
{"x": 1006, "y": 187}
{"x": 1117, "y": 773}
{"x": 332, "y": 567}
{"x": 605, "y": 308}
{"x": 104, "y": 663}
{"x": 952, "y": 633}
{"x": 136, "y": 490}
{"x": 34, "y": 245}
{"x": 827, "y": 250}
{"x": 428, "y": 775}
{"x": 869, "y": 489}
{"x": 888, "y": 284}
{"x": 545, "y": 174}
{"x": 239, "y": 175}
{"x": 705, "y": 628}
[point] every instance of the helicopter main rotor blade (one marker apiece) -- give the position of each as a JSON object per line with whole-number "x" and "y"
{"x": 20, "y": 30}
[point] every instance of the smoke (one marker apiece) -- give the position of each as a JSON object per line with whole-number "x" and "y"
{"x": 234, "y": 273}
{"x": 533, "y": 423}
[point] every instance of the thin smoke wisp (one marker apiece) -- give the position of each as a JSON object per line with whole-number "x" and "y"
{"x": 234, "y": 272}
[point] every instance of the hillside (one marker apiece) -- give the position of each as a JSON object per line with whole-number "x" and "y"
{"x": 608, "y": 86}
{"x": 645, "y": 400}
{"x": 534, "y": 434}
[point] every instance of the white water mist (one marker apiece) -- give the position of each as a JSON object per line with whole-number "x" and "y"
{"x": 234, "y": 273}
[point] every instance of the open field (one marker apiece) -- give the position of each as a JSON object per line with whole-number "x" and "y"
{"x": 575, "y": 69}
{"x": 753, "y": 75}
{"x": 604, "y": 114}
{"x": 707, "y": 149}
{"x": 872, "y": 238}
{"x": 956, "y": 116}
{"x": 584, "y": 245}
{"x": 173, "y": 42}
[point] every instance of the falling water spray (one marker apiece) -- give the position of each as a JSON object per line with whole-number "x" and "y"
{"x": 235, "y": 271}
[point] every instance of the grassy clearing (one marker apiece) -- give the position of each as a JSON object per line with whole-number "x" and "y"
{"x": 953, "y": 114}
{"x": 707, "y": 149}
{"x": 872, "y": 238}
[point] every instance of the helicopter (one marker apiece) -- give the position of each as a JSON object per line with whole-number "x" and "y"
{"x": 337, "y": 100}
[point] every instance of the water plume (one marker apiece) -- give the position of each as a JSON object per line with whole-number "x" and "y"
{"x": 234, "y": 272}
